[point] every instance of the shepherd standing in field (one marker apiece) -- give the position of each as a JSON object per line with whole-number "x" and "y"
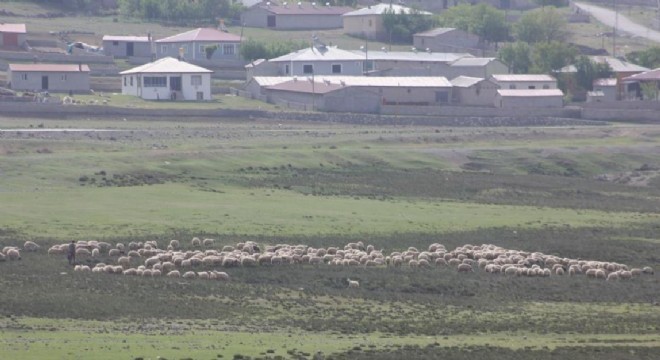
{"x": 71, "y": 255}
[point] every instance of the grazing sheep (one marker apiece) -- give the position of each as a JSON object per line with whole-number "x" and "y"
{"x": 440, "y": 262}
{"x": 120, "y": 246}
{"x": 156, "y": 272}
{"x": 83, "y": 251}
{"x": 130, "y": 272}
{"x": 353, "y": 284}
{"x": 648, "y": 270}
{"x": 511, "y": 271}
{"x": 203, "y": 275}
{"x": 208, "y": 242}
{"x": 248, "y": 262}
{"x": 559, "y": 271}
{"x": 13, "y": 254}
{"x": 30, "y": 246}
{"x": 189, "y": 275}
{"x": 124, "y": 261}
{"x": 464, "y": 268}
{"x": 625, "y": 274}
{"x": 612, "y": 276}
{"x": 95, "y": 253}
{"x": 174, "y": 273}
{"x": 175, "y": 244}
{"x": 221, "y": 275}
{"x": 600, "y": 274}
{"x": 636, "y": 271}
{"x": 196, "y": 242}
{"x": 114, "y": 252}
{"x": 55, "y": 250}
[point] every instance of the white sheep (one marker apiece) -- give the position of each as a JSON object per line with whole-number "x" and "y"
{"x": 95, "y": 253}
{"x": 13, "y": 254}
{"x": 30, "y": 246}
{"x": 124, "y": 261}
{"x": 221, "y": 275}
{"x": 174, "y": 273}
{"x": 353, "y": 284}
{"x": 203, "y": 275}
{"x": 196, "y": 242}
{"x": 647, "y": 270}
{"x": 114, "y": 252}
{"x": 189, "y": 275}
{"x": 464, "y": 268}
{"x": 175, "y": 244}
{"x": 208, "y": 242}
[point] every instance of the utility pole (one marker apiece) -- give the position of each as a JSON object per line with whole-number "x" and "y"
{"x": 616, "y": 24}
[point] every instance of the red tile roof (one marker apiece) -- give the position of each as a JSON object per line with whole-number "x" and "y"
{"x": 13, "y": 28}
{"x": 49, "y": 67}
{"x": 201, "y": 34}
{"x": 306, "y": 9}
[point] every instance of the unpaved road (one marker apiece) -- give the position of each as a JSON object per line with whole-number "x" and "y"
{"x": 608, "y": 17}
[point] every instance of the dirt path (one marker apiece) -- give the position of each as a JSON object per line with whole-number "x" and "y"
{"x": 608, "y": 17}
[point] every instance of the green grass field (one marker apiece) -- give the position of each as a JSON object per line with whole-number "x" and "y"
{"x": 588, "y": 192}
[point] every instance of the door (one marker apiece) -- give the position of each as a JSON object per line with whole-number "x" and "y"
{"x": 129, "y": 49}
{"x": 175, "y": 83}
{"x": 10, "y": 39}
{"x": 270, "y": 20}
{"x": 44, "y": 83}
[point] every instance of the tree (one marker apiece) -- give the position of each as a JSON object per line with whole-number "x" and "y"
{"x": 482, "y": 20}
{"x": 255, "y": 49}
{"x": 552, "y": 56}
{"x": 541, "y": 25}
{"x": 649, "y": 58}
{"x": 401, "y": 26}
{"x": 555, "y": 3}
{"x": 588, "y": 71}
{"x": 517, "y": 56}
{"x": 650, "y": 90}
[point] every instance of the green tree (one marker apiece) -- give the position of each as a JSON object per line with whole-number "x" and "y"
{"x": 588, "y": 71}
{"x": 517, "y": 56}
{"x": 541, "y": 25}
{"x": 650, "y": 90}
{"x": 482, "y": 20}
{"x": 256, "y": 49}
{"x": 401, "y": 26}
{"x": 649, "y": 58}
{"x": 552, "y": 56}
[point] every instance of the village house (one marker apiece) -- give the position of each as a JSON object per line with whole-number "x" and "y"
{"x": 167, "y": 79}
{"x": 360, "y": 94}
{"x": 603, "y": 90}
{"x": 298, "y": 16}
{"x": 620, "y": 70}
{"x": 524, "y": 81}
{"x": 12, "y": 36}
{"x": 529, "y": 98}
{"x": 127, "y": 46}
{"x": 473, "y": 91}
{"x": 450, "y": 40}
{"x": 407, "y": 63}
{"x": 201, "y": 44}
{"x": 634, "y": 84}
{"x": 368, "y": 22}
{"x": 49, "y": 77}
{"x": 317, "y": 60}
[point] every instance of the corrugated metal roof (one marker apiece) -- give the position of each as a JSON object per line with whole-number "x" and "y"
{"x": 473, "y": 61}
{"x": 49, "y": 67}
{"x": 617, "y": 65}
{"x": 605, "y": 82}
{"x": 411, "y": 56}
{"x": 529, "y": 92}
{"x": 435, "y": 32}
{"x": 13, "y": 28}
{"x": 383, "y": 81}
{"x": 306, "y": 9}
{"x": 125, "y": 38}
{"x": 307, "y": 86}
{"x": 328, "y": 53}
{"x": 652, "y": 75}
{"x": 466, "y": 81}
{"x": 201, "y": 34}
{"x": 165, "y": 66}
{"x": 523, "y": 77}
{"x": 382, "y": 8}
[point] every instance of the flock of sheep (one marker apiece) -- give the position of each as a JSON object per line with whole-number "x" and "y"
{"x": 203, "y": 258}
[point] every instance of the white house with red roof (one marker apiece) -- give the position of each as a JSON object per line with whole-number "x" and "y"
{"x": 295, "y": 16}
{"x": 167, "y": 79}
{"x": 12, "y": 36}
{"x": 49, "y": 77}
{"x": 193, "y": 45}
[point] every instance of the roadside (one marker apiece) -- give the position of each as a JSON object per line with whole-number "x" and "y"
{"x": 622, "y": 23}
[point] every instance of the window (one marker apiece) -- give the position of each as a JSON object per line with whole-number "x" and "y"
{"x": 336, "y": 68}
{"x": 63, "y": 77}
{"x": 442, "y": 97}
{"x": 228, "y": 49}
{"x": 23, "y": 76}
{"x": 202, "y": 49}
{"x": 546, "y": 86}
{"x": 131, "y": 81}
{"x": 115, "y": 43}
{"x": 196, "y": 80}
{"x": 512, "y": 86}
{"x": 155, "y": 81}
{"x": 531, "y": 87}
{"x": 163, "y": 49}
{"x": 125, "y": 81}
{"x": 308, "y": 69}
{"x": 370, "y": 22}
{"x": 287, "y": 70}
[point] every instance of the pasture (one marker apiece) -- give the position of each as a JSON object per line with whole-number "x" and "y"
{"x": 588, "y": 192}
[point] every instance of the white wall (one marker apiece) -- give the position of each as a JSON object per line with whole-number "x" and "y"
{"x": 189, "y": 91}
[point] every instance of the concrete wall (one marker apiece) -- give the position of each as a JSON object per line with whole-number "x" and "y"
{"x": 532, "y": 103}
{"x": 368, "y": 26}
{"x": 320, "y": 68}
{"x": 258, "y": 17}
{"x": 481, "y": 94}
{"x": 118, "y": 49}
{"x": 478, "y": 112}
{"x": 255, "y": 17}
{"x": 189, "y": 92}
{"x": 195, "y": 51}
{"x": 610, "y": 92}
{"x": 57, "y": 81}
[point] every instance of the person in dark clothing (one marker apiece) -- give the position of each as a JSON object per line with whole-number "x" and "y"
{"x": 71, "y": 255}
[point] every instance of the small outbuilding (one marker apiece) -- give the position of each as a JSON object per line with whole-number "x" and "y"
{"x": 529, "y": 98}
{"x": 300, "y": 16}
{"x": 49, "y": 77}
{"x": 12, "y": 36}
{"x": 473, "y": 91}
{"x": 201, "y": 44}
{"x": 127, "y": 46}
{"x": 167, "y": 79}
{"x": 608, "y": 87}
{"x": 524, "y": 81}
